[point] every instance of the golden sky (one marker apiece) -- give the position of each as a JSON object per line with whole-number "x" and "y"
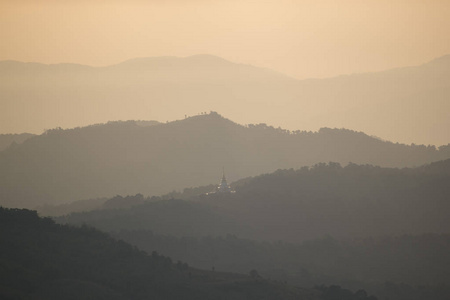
{"x": 302, "y": 38}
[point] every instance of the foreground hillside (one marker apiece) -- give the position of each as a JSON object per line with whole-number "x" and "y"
{"x": 405, "y": 267}
{"x": 126, "y": 158}
{"x": 43, "y": 260}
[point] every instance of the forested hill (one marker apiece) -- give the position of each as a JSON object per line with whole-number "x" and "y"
{"x": 125, "y": 158}
{"x": 350, "y": 201}
{"x": 296, "y": 205}
{"x": 402, "y": 267}
{"x": 42, "y": 260}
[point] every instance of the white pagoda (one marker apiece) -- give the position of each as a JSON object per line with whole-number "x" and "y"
{"x": 223, "y": 187}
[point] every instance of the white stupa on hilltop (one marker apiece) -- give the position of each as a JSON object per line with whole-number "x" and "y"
{"x": 223, "y": 186}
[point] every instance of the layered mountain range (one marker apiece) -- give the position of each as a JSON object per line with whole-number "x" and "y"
{"x": 407, "y": 105}
{"x": 385, "y": 230}
{"x": 311, "y": 207}
{"x": 43, "y": 260}
{"x": 126, "y": 158}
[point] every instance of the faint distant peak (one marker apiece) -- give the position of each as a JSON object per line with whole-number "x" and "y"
{"x": 10, "y": 62}
{"x": 441, "y": 60}
{"x": 200, "y": 67}
{"x": 207, "y": 66}
{"x": 209, "y": 58}
{"x": 194, "y": 60}
{"x": 13, "y": 65}
{"x": 147, "y": 59}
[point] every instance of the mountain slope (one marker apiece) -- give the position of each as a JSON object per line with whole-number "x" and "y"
{"x": 406, "y": 105}
{"x": 43, "y": 260}
{"x": 409, "y": 259}
{"x": 296, "y": 205}
{"x": 125, "y": 158}
{"x": 351, "y": 201}
{"x": 171, "y": 217}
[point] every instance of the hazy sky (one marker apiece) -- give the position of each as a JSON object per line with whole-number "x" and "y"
{"x": 301, "y": 38}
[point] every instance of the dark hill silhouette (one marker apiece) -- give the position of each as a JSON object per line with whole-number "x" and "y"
{"x": 391, "y": 267}
{"x": 42, "y": 260}
{"x": 405, "y": 104}
{"x": 125, "y": 158}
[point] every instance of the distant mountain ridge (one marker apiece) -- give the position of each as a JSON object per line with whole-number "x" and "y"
{"x": 193, "y": 61}
{"x": 124, "y": 158}
{"x": 210, "y": 68}
{"x": 197, "y": 61}
{"x": 405, "y": 104}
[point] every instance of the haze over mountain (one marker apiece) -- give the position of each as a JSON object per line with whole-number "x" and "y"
{"x": 333, "y": 136}
{"x": 126, "y": 158}
{"x": 402, "y": 105}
